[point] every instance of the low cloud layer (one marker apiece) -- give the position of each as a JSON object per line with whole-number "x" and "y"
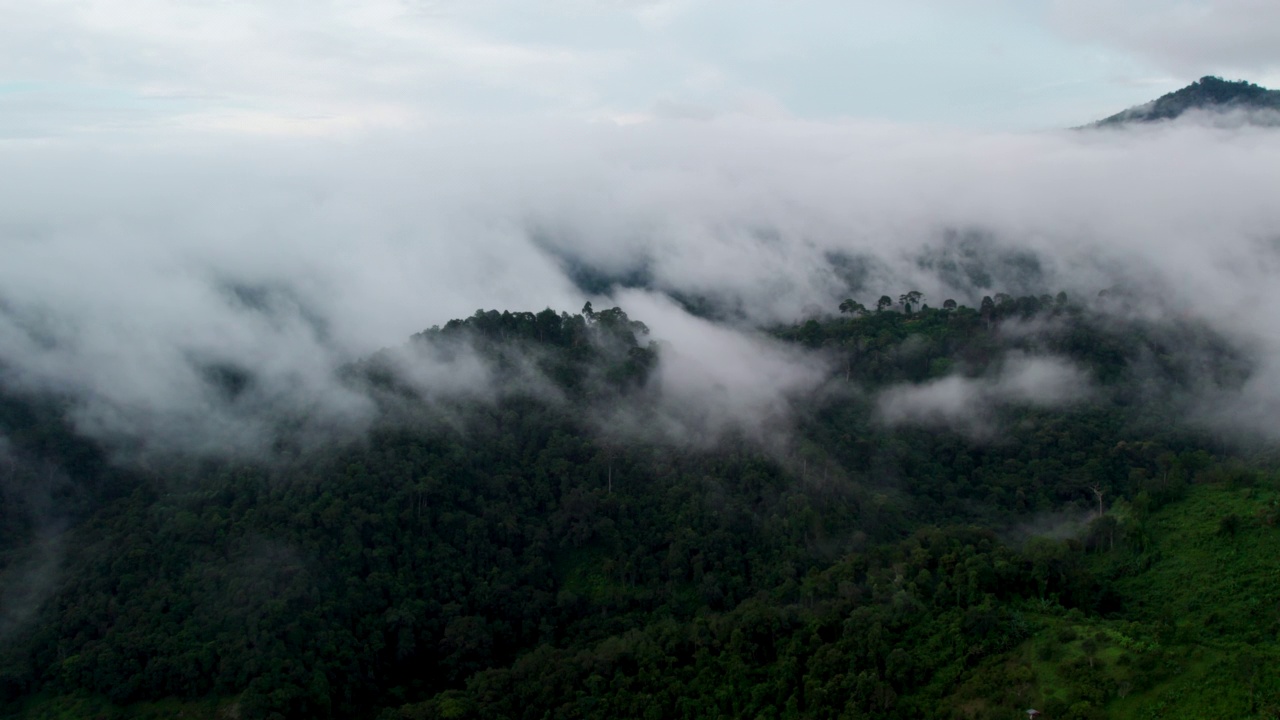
{"x": 30, "y": 519}
{"x": 712, "y": 380}
{"x": 970, "y": 405}
{"x": 135, "y": 270}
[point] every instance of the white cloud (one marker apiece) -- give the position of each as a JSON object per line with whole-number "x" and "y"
{"x": 284, "y": 62}
{"x": 714, "y": 379}
{"x": 121, "y": 257}
{"x": 659, "y": 13}
{"x": 1188, "y": 37}
{"x": 968, "y": 404}
{"x": 346, "y": 67}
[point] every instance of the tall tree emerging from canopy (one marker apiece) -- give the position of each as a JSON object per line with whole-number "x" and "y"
{"x": 910, "y": 300}
{"x": 853, "y": 308}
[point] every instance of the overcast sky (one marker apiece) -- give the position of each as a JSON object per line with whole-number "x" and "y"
{"x": 334, "y": 66}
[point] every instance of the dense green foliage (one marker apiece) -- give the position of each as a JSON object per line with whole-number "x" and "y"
{"x": 505, "y": 556}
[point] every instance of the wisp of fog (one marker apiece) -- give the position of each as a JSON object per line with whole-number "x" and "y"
{"x": 134, "y": 268}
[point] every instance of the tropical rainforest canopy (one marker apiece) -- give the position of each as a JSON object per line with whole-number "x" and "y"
{"x": 976, "y": 511}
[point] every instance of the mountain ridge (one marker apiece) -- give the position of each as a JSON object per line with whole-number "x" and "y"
{"x": 1209, "y": 93}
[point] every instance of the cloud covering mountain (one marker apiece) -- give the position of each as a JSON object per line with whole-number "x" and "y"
{"x": 135, "y": 269}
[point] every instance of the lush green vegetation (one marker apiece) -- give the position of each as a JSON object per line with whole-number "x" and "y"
{"x": 505, "y": 557}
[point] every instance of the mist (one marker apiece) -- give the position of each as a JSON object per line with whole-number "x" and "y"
{"x": 971, "y": 405}
{"x": 30, "y": 513}
{"x": 137, "y": 268}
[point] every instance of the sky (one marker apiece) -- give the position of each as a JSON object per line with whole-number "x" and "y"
{"x": 288, "y": 187}
{"x": 334, "y": 67}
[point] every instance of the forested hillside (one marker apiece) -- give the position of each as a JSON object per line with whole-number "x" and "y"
{"x": 977, "y": 511}
{"x": 1208, "y": 94}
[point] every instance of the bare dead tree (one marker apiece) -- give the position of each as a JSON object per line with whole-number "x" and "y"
{"x": 1098, "y": 492}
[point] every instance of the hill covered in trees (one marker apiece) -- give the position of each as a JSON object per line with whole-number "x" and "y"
{"x": 973, "y": 512}
{"x": 1209, "y": 93}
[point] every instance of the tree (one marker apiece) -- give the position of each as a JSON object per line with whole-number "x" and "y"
{"x": 1228, "y": 525}
{"x": 855, "y": 308}
{"x": 884, "y": 302}
{"x": 1102, "y": 533}
{"x": 948, "y": 304}
{"x": 1090, "y": 648}
{"x": 1098, "y": 492}
{"x": 910, "y": 300}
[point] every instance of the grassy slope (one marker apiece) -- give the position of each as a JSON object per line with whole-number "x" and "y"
{"x": 1215, "y": 599}
{"x": 1197, "y": 636}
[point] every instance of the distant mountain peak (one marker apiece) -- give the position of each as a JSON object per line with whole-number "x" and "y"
{"x": 1209, "y": 93}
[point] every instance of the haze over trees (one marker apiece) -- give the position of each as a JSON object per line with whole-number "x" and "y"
{"x": 928, "y": 536}
{"x": 855, "y": 421}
